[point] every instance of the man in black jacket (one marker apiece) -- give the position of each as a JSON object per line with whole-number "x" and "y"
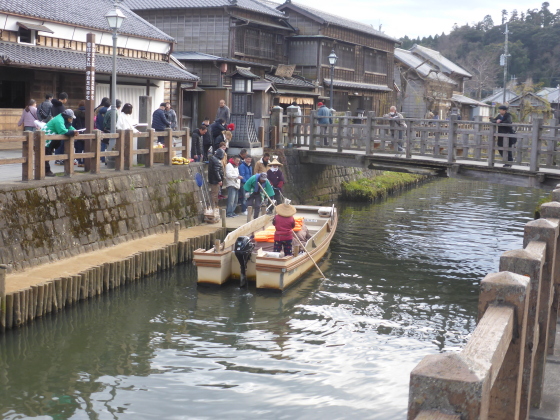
{"x": 197, "y": 143}
{"x": 215, "y": 175}
{"x": 58, "y": 104}
{"x": 216, "y": 130}
{"x": 206, "y": 140}
{"x": 504, "y": 122}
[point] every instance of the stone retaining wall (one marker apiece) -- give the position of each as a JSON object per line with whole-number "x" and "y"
{"x": 311, "y": 183}
{"x": 58, "y": 218}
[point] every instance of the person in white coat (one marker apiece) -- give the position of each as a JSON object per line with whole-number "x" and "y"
{"x": 232, "y": 183}
{"x": 125, "y": 121}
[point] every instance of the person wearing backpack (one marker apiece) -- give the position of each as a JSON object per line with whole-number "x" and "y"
{"x": 28, "y": 116}
{"x": 107, "y": 122}
{"x": 99, "y": 113}
{"x": 44, "y": 110}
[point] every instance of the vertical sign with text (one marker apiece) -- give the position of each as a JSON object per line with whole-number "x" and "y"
{"x": 90, "y": 92}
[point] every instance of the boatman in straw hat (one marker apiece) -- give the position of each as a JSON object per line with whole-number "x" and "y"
{"x": 285, "y": 223}
{"x": 253, "y": 192}
{"x": 276, "y": 178}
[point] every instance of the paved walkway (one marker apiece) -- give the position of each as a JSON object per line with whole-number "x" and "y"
{"x": 74, "y": 265}
{"x": 550, "y": 406}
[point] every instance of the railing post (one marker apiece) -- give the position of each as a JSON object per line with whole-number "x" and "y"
{"x": 369, "y": 132}
{"x": 149, "y": 160}
{"x": 312, "y": 125}
{"x": 69, "y": 151}
{"x": 167, "y": 156}
{"x": 451, "y": 138}
{"x": 512, "y": 290}
{"x": 3, "y": 271}
{"x": 291, "y": 128}
{"x": 39, "y": 140}
{"x": 527, "y": 262}
{"x": 186, "y": 143}
{"x": 551, "y": 144}
{"x": 120, "y": 147}
{"x": 492, "y": 145}
{"x": 536, "y": 140}
{"x": 96, "y": 149}
{"x": 408, "y": 141}
{"x": 340, "y": 132}
{"x": 128, "y": 149}
{"x": 545, "y": 231}
{"x": 477, "y": 137}
{"x": 27, "y": 150}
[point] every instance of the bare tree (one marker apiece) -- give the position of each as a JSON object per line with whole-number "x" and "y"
{"x": 483, "y": 65}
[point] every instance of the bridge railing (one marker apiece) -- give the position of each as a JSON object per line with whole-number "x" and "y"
{"x": 500, "y": 372}
{"x": 533, "y": 145}
{"x": 34, "y": 154}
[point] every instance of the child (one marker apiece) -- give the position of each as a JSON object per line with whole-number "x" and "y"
{"x": 284, "y": 223}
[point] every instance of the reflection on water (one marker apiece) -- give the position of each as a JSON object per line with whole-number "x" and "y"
{"x": 402, "y": 282}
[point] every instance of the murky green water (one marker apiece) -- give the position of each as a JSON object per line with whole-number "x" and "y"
{"x": 402, "y": 283}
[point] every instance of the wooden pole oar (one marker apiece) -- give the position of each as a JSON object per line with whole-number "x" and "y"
{"x": 295, "y": 236}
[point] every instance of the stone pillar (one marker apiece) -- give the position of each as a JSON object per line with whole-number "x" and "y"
{"x": 527, "y": 262}
{"x": 144, "y": 117}
{"x": 545, "y": 231}
{"x": 3, "y": 272}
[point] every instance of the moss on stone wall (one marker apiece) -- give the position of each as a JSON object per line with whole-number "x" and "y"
{"x": 370, "y": 189}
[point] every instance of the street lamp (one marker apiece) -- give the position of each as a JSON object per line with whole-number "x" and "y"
{"x": 332, "y": 61}
{"x": 115, "y": 19}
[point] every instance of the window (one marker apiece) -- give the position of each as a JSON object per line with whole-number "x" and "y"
{"x": 256, "y": 43}
{"x": 26, "y": 36}
{"x": 239, "y": 85}
{"x": 345, "y": 53}
{"x": 375, "y": 61}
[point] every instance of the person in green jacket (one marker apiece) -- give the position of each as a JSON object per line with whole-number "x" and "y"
{"x": 61, "y": 124}
{"x": 253, "y": 191}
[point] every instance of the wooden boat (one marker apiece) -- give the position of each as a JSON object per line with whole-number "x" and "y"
{"x": 219, "y": 264}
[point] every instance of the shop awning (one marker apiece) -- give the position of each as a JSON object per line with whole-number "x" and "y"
{"x": 357, "y": 85}
{"x": 297, "y": 93}
{"x": 298, "y": 100}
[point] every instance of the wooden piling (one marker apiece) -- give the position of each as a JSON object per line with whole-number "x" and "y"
{"x": 9, "y": 310}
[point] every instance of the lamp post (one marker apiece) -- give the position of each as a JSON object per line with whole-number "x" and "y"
{"x": 332, "y": 61}
{"x": 115, "y": 19}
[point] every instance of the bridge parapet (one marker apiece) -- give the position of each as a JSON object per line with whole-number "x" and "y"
{"x": 500, "y": 372}
{"x": 532, "y": 145}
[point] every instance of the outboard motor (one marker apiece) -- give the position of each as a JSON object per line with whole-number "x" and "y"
{"x": 243, "y": 249}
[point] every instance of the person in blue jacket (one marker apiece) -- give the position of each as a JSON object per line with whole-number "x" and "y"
{"x": 159, "y": 121}
{"x": 246, "y": 171}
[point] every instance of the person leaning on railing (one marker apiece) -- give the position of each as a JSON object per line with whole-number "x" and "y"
{"x": 61, "y": 124}
{"x": 504, "y": 121}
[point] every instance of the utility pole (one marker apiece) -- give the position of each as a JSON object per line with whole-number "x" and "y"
{"x": 504, "y": 62}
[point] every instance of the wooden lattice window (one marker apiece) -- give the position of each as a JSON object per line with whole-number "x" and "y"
{"x": 345, "y": 53}
{"x": 375, "y": 61}
{"x": 256, "y": 43}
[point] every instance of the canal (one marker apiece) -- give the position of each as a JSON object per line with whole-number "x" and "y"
{"x": 402, "y": 282}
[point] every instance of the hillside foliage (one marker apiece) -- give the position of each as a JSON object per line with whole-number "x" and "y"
{"x": 533, "y": 45}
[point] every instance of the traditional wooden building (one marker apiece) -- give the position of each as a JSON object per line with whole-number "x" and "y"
{"x": 429, "y": 82}
{"x": 43, "y": 50}
{"x": 215, "y": 38}
{"x": 529, "y": 106}
{"x": 363, "y": 75}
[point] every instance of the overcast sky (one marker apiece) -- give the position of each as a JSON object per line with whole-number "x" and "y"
{"x": 422, "y": 18}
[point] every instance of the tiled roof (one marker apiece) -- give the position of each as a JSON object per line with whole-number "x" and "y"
{"x": 198, "y": 56}
{"x": 245, "y": 72}
{"x": 253, "y": 5}
{"x": 324, "y": 17}
{"x": 43, "y": 57}
{"x": 498, "y": 96}
{"x": 439, "y": 60}
{"x": 423, "y": 67}
{"x": 357, "y": 85}
{"x": 468, "y": 101}
{"x": 290, "y": 81}
{"x": 88, "y": 14}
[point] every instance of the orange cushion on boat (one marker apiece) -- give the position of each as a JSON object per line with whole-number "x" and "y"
{"x": 267, "y": 235}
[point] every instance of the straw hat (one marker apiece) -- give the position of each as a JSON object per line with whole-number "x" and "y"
{"x": 285, "y": 210}
{"x": 274, "y": 162}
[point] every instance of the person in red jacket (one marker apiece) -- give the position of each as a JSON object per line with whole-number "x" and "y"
{"x": 285, "y": 223}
